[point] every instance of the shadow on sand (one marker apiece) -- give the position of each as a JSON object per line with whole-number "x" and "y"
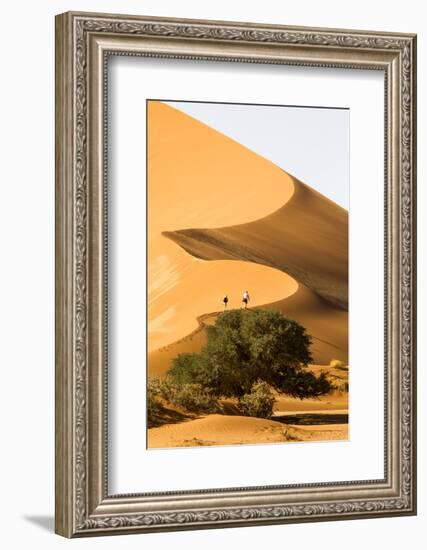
{"x": 308, "y": 419}
{"x": 170, "y": 416}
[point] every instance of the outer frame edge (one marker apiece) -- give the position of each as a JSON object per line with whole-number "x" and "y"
{"x": 64, "y": 382}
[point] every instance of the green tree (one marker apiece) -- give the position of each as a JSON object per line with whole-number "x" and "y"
{"x": 246, "y": 346}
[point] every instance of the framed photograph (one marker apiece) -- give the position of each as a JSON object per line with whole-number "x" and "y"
{"x": 235, "y": 274}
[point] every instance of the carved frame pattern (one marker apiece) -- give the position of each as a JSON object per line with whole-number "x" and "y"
{"x": 74, "y": 515}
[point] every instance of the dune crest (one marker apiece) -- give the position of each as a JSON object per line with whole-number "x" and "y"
{"x": 210, "y": 198}
{"x": 196, "y": 175}
{"x": 183, "y": 288}
{"x": 306, "y": 238}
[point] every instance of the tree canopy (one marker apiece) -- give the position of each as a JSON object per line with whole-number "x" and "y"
{"x": 248, "y": 346}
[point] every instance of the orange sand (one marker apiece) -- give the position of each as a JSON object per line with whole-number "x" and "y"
{"x": 288, "y": 245}
{"x": 217, "y": 429}
{"x": 198, "y": 176}
{"x": 324, "y": 418}
{"x": 307, "y": 238}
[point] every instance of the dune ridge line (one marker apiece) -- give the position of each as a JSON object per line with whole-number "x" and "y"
{"x": 295, "y": 239}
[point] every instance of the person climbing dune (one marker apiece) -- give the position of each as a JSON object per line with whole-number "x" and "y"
{"x": 246, "y": 299}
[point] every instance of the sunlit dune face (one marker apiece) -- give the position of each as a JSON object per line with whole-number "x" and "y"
{"x": 197, "y": 177}
{"x": 198, "y": 287}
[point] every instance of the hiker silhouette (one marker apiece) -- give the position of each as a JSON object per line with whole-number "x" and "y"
{"x": 246, "y": 299}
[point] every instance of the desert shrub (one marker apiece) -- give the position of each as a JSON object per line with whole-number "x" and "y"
{"x": 246, "y": 346}
{"x": 154, "y": 405}
{"x": 337, "y": 364}
{"x": 342, "y": 387}
{"x": 194, "y": 397}
{"x": 259, "y": 402}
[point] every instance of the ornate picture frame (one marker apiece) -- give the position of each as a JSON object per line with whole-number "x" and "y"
{"x": 84, "y": 42}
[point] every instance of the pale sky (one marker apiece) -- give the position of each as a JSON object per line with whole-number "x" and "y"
{"x": 310, "y": 143}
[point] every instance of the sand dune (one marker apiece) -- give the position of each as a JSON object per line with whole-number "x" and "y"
{"x": 327, "y": 325}
{"x": 293, "y": 259}
{"x": 216, "y": 429}
{"x": 306, "y": 238}
{"x": 322, "y": 418}
{"x": 198, "y": 176}
{"x": 211, "y": 200}
{"x": 185, "y": 288}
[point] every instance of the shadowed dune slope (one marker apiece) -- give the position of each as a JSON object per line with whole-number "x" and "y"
{"x": 326, "y": 323}
{"x": 306, "y": 238}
